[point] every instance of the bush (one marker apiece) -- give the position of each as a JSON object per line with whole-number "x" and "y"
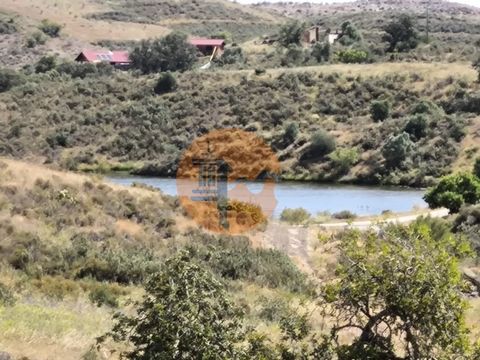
{"x": 7, "y": 26}
{"x": 295, "y": 216}
{"x": 8, "y": 79}
{"x": 454, "y": 191}
{"x": 476, "y": 168}
{"x": 417, "y": 126}
{"x": 170, "y": 53}
{"x": 260, "y": 71}
{"x": 165, "y": 83}
{"x": 468, "y": 223}
{"x": 293, "y": 56}
{"x": 321, "y": 143}
{"x": 103, "y": 295}
{"x": 232, "y": 55}
{"x": 291, "y": 33}
{"x": 50, "y": 28}
{"x": 344, "y": 215}
{"x": 36, "y": 38}
{"x": 321, "y": 51}
{"x": 6, "y": 296}
{"x": 344, "y": 159}
{"x": 290, "y": 133}
{"x": 396, "y": 149}
{"x": 401, "y": 34}
{"x": 77, "y": 70}
{"x": 45, "y": 64}
{"x": 352, "y": 56}
{"x": 379, "y": 110}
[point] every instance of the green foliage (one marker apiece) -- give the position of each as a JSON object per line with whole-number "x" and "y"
{"x": 82, "y": 70}
{"x": 6, "y": 296}
{"x": 50, "y": 28}
{"x": 401, "y": 34}
{"x": 185, "y": 314}
{"x": 290, "y": 133}
{"x": 476, "y": 168}
{"x": 321, "y": 51}
{"x": 232, "y": 55}
{"x": 8, "y": 79}
{"x": 170, "y": 53}
{"x": 396, "y": 149}
{"x": 35, "y": 38}
{"x": 351, "y": 56}
{"x": 454, "y": 191}
{"x": 45, "y": 64}
{"x": 343, "y": 159}
{"x": 417, "y": 126}
{"x": 379, "y": 110}
{"x": 350, "y": 34}
{"x": 8, "y": 26}
{"x": 321, "y": 143}
{"x": 344, "y": 215}
{"x": 103, "y": 295}
{"x": 294, "y": 55}
{"x": 467, "y": 222}
{"x": 476, "y": 66}
{"x": 403, "y": 284}
{"x": 165, "y": 83}
{"x": 291, "y": 33}
{"x": 295, "y": 216}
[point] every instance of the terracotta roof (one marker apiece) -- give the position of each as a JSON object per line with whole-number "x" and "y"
{"x": 207, "y": 42}
{"x": 108, "y": 56}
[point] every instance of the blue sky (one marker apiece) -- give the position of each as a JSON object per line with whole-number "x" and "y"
{"x": 469, "y": 2}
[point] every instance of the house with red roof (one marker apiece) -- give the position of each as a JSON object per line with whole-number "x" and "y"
{"x": 120, "y": 59}
{"x": 207, "y": 46}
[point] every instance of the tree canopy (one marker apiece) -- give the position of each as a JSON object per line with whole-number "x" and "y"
{"x": 170, "y": 53}
{"x": 401, "y": 290}
{"x": 401, "y": 34}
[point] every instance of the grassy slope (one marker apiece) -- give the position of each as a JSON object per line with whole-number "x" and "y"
{"x": 139, "y": 127}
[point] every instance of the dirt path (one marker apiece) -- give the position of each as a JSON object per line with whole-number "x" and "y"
{"x": 296, "y": 240}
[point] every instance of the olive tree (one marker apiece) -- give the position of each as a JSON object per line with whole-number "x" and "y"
{"x": 401, "y": 34}
{"x": 400, "y": 290}
{"x": 185, "y": 314}
{"x": 396, "y": 149}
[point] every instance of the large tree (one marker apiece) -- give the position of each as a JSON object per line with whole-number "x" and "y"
{"x": 401, "y": 34}
{"x": 399, "y": 292}
{"x": 185, "y": 314}
{"x": 170, "y": 53}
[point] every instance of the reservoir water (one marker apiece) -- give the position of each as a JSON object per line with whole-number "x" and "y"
{"x": 315, "y": 198}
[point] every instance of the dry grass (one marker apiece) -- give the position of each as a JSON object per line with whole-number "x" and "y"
{"x": 71, "y": 14}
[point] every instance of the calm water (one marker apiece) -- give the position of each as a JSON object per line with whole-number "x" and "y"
{"x": 315, "y": 198}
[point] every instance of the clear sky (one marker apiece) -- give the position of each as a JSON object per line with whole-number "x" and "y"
{"x": 469, "y": 2}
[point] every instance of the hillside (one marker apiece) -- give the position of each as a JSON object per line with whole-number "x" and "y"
{"x": 64, "y": 120}
{"x": 75, "y": 249}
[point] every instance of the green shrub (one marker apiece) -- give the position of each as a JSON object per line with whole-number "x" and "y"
{"x": 8, "y": 26}
{"x": 165, "y": 83}
{"x": 170, "y": 53}
{"x": 344, "y": 215}
{"x": 321, "y": 143}
{"x": 50, "y": 28}
{"x": 417, "y": 126}
{"x": 454, "y": 191}
{"x": 351, "y": 56}
{"x": 476, "y": 168}
{"x": 36, "y": 38}
{"x": 401, "y": 34}
{"x": 396, "y": 149}
{"x": 468, "y": 223}
{"x": 45, "y": 64}
{"x": 344, "y": 159}
{"x": 290, "y": 133}
{"x": 8, "y": 79}
{"x": 6, "y": 296}
{"x": 294, "y": 55}
{"x": 103, "y": 295}
{"x": 295, "y": 216}
{"x": 77, "y": 70}
{"x": 291, "y": 33}
{"x": 321, "y": 51}
{"x": 231, "y": 55}
{"x": 380, "y": 110}
{"x": 260, "y": 71}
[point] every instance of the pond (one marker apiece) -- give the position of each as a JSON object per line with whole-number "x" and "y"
{"x": 315, "y": 198}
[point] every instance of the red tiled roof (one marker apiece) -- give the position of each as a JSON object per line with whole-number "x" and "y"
{"x": 207, "y": 42}
{"x": 109, "y": 56}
